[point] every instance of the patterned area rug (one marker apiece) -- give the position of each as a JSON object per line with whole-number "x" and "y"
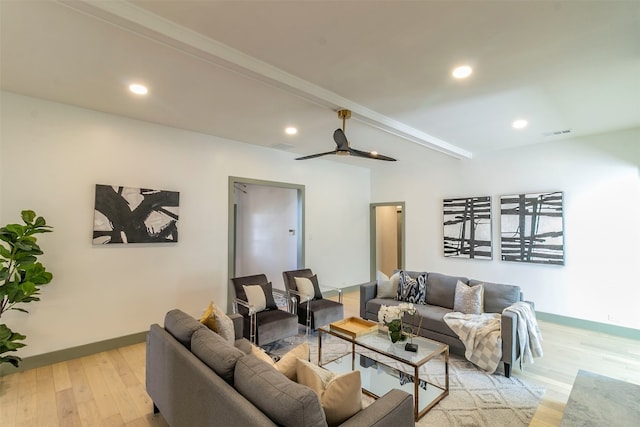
{"x": 475, "y": 398}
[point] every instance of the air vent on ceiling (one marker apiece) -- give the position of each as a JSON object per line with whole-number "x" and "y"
{"x": 282, "y": 146}
{"x": 557, "y": 132}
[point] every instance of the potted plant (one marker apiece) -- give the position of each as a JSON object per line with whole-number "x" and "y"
{"x": 20, "y": 276}
{"x": 391, "y": 317}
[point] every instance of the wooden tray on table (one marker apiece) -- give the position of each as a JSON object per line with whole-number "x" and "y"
{"x": 354, "y": 326}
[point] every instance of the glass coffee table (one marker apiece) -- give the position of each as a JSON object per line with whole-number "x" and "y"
{"x": 384, "y": 365}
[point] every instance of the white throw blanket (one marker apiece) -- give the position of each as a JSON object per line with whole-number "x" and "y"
{"x": 480, "y": 334}
{"x": 529, "y": 336}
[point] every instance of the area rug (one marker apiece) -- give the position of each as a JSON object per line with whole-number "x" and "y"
{"x": 476, "y": 399}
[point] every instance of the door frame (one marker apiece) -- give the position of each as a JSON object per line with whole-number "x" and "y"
{"x": 231, "y": 248}
{"x": 373, "y": 236}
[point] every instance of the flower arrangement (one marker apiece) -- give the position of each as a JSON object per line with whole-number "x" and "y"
{"x": 391, "y": 317}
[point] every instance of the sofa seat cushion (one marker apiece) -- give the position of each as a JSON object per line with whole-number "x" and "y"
{"x": 181, "y": 326}
{"x": 432, "y": 319}
{"x": 441, "y": 289}
{"x": 497, "y": 297}
{"x": 272, "y": 325}
{"x": 215, "y": 352}
{"x": 286, "y": 403}
{"x": 323, "y": 312}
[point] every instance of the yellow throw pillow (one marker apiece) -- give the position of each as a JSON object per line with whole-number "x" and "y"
{"x": 208, "y": 318}
{"x": 287, "y": 364}
{"x": 340, "y": 394}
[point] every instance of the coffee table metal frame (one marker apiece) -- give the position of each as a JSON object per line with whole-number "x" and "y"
{"x": 371, "y": 342}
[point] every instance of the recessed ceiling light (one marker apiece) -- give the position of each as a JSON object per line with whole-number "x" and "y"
{"x": 462, "y": 72}
{"x": 291, "y": 131}
{"x": 520, "y": 124}
{"x": 138, "y": 89}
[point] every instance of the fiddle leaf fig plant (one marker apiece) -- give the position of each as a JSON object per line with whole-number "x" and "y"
{"x": 21, "y": 276}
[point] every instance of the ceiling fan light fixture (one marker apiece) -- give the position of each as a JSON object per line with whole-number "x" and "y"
{"x": 462, "y": 72}
{"x": 291, "y": 130}
{"x": 342, "y": 144}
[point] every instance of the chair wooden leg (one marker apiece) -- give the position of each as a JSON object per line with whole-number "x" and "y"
{"x": 507, "y": 370}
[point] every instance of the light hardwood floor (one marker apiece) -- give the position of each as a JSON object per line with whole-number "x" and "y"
{"x": 108, "y": 389}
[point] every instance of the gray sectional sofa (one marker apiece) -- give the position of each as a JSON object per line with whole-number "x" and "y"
{"x": 440, "y": 293}
{"x": 196, "y": 378}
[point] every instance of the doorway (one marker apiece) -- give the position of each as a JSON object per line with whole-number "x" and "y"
{"x": 387, "y": 236}
{"x": 266, "y": 229}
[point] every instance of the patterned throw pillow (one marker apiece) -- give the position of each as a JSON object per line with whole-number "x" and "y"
{"x": 412, "y": 290}
{"x": 469, "y": 299}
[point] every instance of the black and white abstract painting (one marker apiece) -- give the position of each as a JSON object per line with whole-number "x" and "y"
{"x": 135, "y": 215}
{"x": 532, "y": 228}
{"x": 467, "y": 227}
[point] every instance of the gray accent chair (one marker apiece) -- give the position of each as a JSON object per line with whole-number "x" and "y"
{"x": 266, "y": 326}
{"x": 315, "y": 312}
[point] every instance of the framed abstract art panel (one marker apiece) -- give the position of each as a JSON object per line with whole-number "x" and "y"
{"x": 135, "y": 215}
{"x": 532, "y": 228}
{"x": 467, "y": 227}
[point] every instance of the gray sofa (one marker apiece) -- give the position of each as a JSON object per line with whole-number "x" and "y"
{"x": 196, "y": 378}
{"x": 440, "y": 300}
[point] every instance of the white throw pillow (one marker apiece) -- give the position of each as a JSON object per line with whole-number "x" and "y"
{"x": 287, "y": 364}
{"x": 468, "y": 299}
{"x": 255, "y": 297}
{"x": 340, "y": 394}
{"x": 387, "y": 286}
{"x": 305, "y": 287}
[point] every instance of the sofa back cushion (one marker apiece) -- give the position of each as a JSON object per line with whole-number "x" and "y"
{"x": 285, "y": 402}
{"x": 181, "y": 326}
{"x": 441, "y": 289}
{"x": 215, "y": 352}
{"x": 497, "y": 297}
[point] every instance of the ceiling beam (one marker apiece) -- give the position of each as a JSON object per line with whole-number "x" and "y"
{"x": 150, "y": 25}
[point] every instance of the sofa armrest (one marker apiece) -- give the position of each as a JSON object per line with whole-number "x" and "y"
{"x": 509, "y": 325}
{"x": 394, "y": 409}
{"x": 368, "y": 291}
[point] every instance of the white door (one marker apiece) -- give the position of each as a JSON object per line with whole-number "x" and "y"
{"x": 267, "y": 231}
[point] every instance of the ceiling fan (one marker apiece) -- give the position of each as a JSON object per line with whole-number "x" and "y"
{"x": 342, "y": 144}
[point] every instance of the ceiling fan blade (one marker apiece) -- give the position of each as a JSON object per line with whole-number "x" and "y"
{"x": 341, "y": 140}
{"x": 311, "y": 156}
{"x": 369, "y": 155}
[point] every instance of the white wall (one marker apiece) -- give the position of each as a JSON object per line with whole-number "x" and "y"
{"x": 54, "y": 154}
{"x": 599, "y": 177}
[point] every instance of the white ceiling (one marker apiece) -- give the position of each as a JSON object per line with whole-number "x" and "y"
{"x": 245, "y": 70}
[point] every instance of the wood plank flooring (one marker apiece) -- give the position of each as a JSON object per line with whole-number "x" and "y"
{"x": 108, "y": 388}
